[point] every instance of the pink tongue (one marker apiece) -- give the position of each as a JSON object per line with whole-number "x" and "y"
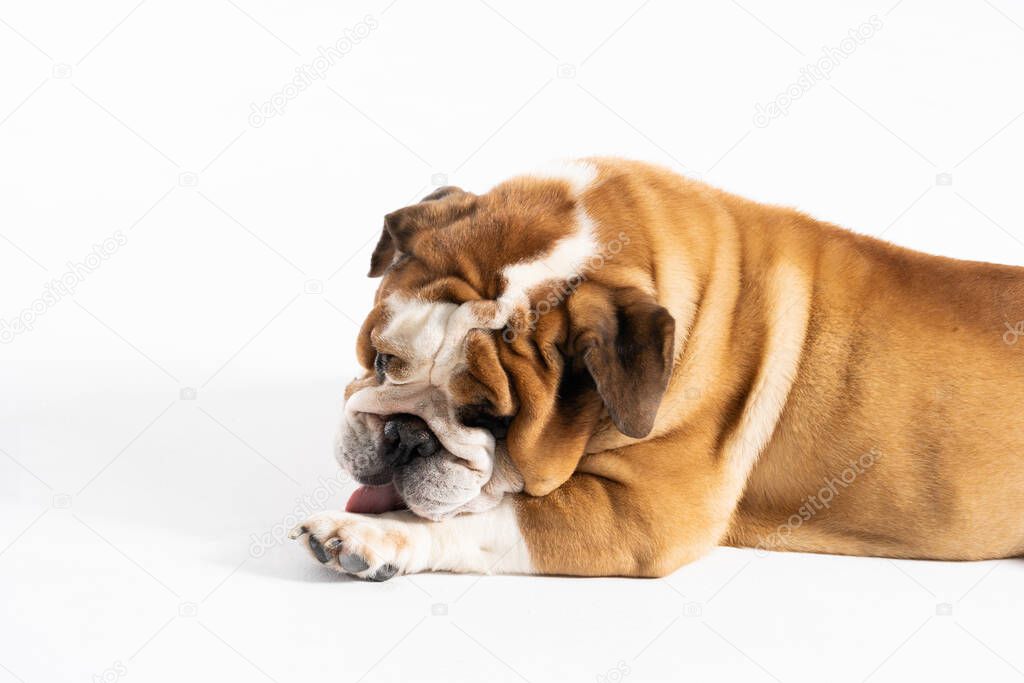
{"x": 374, "y": 499}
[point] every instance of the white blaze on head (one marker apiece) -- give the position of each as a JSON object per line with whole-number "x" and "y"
{"x": 416, "y": 329}
{"x": 566, "y": 260}
{"x": 568, "y": 256}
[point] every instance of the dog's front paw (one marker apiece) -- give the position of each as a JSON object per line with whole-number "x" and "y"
{"x": 369, "y": 547}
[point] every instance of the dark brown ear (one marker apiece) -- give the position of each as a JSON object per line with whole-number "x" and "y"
{"x": 399, "y": 227}
{"x": 626, "y": 340}
{"x": 620, "y": 341}
{"x": 383, "y": 254}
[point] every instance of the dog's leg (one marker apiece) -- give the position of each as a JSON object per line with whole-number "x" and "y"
{"x": 595, "y": 526}
{"x": 377, "y": 547}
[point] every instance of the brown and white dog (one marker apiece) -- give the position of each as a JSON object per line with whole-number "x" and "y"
{"x": 609, "y": 369}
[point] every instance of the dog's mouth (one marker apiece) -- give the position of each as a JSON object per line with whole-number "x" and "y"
{"x": 404, "y": 437}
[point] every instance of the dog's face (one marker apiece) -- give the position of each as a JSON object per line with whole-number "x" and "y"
{"x": 507, "y": 329}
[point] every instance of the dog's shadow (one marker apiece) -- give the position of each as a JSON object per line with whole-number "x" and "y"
{"x": 292, "y": 561}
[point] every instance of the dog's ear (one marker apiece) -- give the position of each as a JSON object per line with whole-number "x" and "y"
{"x": 400, "y": 226}
{"x": 606, "y": 350}
{"x": 626, "y": 341}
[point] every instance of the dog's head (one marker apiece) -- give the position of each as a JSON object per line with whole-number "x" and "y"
{"x": 508, "y": 329}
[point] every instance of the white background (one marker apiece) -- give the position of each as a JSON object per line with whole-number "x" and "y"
{"x": 129, "y": 513}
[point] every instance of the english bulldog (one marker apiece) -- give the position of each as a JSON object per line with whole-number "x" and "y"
{"x": 606, "y": 368}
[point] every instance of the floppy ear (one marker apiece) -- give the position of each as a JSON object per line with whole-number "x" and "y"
{"x": 619, "y": 341}
{"x": 399, "y": 227}
{"x": 626, "y": 341}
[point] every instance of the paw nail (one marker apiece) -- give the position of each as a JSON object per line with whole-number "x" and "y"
{"x": 296, "y": 532}
{"x": 384, "y": 573}
{"x": 353, "y": 563}
{"x": 332, "y": 545}
{"x": 318, "y": 550}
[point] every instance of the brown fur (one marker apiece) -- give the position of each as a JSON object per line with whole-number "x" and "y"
{"x": 753, "y": 320}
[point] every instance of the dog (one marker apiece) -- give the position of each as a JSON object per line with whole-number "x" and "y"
{"x": 607, "y": 369}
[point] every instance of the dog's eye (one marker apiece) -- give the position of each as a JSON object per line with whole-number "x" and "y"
{"x": 380, "y": 365}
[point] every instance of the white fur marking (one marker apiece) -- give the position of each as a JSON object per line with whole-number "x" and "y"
{"x": 564, "y": 262}
{"x": 788, "y": 295}
{"x": 418, "y": 330}
{"x": 487, "y": 542}
{"x": 568, "y": 256}
{"x": 579, "y": 174}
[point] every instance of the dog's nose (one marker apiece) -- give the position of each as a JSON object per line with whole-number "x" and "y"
{"x": 407, "y": 437}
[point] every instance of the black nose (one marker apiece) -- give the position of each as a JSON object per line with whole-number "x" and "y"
{"x": 407, "y": 437}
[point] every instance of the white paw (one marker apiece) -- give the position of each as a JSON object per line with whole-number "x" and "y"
{"x": 366, "y": 546}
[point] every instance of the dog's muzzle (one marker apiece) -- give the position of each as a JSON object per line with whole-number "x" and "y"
{"x": 407, "y": 437}
{"x": 407, "y": 447}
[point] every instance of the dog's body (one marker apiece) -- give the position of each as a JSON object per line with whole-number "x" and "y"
{"x": 706, "y": 370}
